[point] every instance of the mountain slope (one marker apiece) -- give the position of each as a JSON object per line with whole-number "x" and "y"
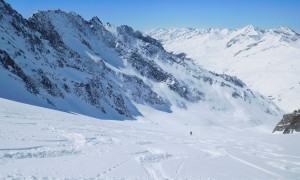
{"x": 266, "y": 60}
{"x": 59, "y": 60}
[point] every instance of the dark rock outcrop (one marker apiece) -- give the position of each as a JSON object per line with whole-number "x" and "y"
{"x": 289, "y": 123}
{"x": 10, "y": 65}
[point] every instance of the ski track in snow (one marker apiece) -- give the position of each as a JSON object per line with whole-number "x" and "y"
{"x": 250, "y": 164}
{"x": 41, "y": 143}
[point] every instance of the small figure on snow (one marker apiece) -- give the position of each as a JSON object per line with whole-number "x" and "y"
{"x": 191, "y": 133}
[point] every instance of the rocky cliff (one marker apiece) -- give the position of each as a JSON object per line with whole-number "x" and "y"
{"x": 289, "y": 123}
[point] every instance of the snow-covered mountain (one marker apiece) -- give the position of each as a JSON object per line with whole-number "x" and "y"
{"x": 61, "y": 61}
{"x": 266, "y": 60}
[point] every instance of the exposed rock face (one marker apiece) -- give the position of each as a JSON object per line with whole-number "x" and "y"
{"x": 289, "y": 123}
{"x": 65, "y": 62}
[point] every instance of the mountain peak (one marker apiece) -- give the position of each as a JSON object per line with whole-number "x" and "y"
{"x": 287, "y": 30}
{"x": 284, "y": 28}
{"x": 96, "y": 20}
{"x": 6, "y": 8}
{"x": 249, "y": 28}
{"x": 9, "y": 13}
{"x": 57, "y": 12}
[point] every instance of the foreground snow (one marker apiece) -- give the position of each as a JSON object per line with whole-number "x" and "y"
{"x": 38, "y": 142}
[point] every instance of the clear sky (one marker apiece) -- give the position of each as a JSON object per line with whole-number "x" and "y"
{"x": 148, "y": 14}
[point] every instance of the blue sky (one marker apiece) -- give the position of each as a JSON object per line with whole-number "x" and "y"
{"x": 148, "y": 14}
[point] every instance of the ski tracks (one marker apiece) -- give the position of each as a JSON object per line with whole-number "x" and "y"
{"x": 151, "y": 161}
{"x": 251, "y": 165}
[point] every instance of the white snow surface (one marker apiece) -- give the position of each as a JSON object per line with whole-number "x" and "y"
{"x": 47, "y": 144}
{"x": 266, "y": 60}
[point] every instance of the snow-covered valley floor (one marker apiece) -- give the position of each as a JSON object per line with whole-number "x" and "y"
{"x": 42, "y": 143}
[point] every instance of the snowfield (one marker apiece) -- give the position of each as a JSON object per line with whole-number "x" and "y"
{"x": 41, "y": 143}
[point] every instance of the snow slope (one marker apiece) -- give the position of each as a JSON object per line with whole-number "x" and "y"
{"x": 48, "y": 144}
{"x": 61, "y": 61}
{"x": 266, "y": 60}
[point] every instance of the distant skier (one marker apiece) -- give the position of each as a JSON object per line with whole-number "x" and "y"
{"x": 191, "y": 133}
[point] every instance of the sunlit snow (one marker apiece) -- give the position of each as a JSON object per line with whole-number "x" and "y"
{"x": 43, "y": 143}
